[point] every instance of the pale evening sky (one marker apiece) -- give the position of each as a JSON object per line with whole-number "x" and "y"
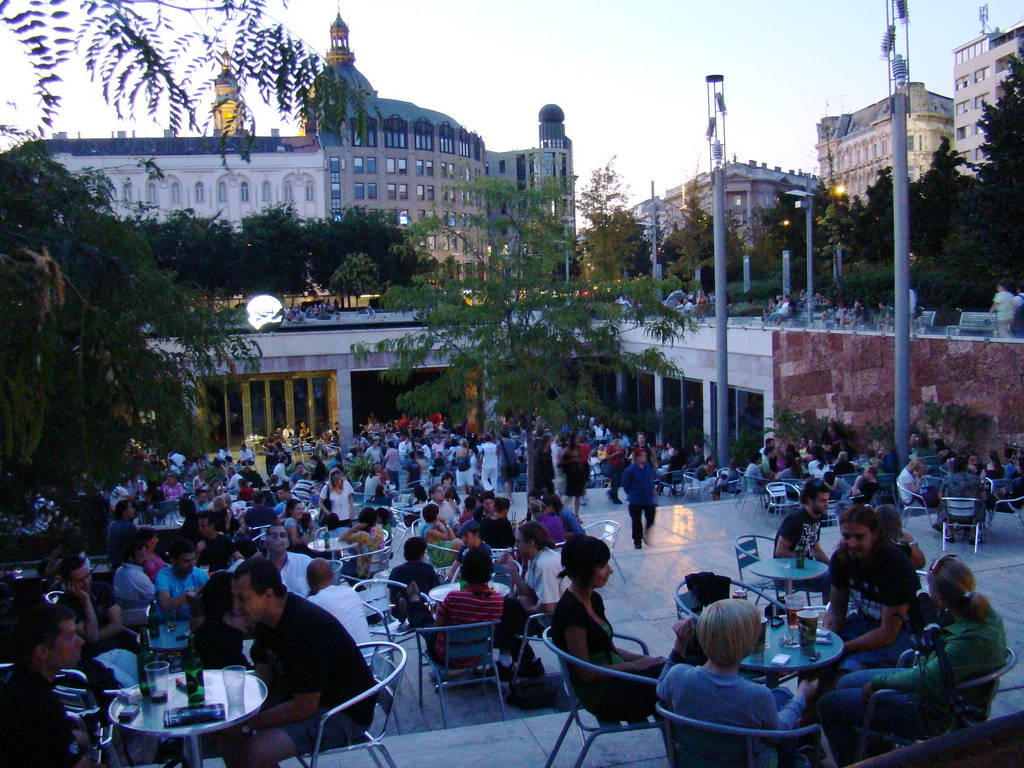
{"x": 629, "y": 76}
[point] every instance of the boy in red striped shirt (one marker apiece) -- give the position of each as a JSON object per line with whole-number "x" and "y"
{"x": 472, "y": 605}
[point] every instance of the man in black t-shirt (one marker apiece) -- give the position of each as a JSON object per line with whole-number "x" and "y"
{"x": 310, "y": 664}
{"x": 800, "y": 530}
{"x": 34, "y": 729}
{"x": 214, "y": 548}
{"x": 878, "y": 581}
{"x": 496, "y": 530}
{"x": 413, "y": 571}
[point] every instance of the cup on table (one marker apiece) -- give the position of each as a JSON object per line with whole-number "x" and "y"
{"x": 739, "y": 593}
{"x": 234, "y": 686}
{"x": 760, "y": 642}
{"x": 794, "y": 604}
{"x": 158, "y": 675}
{"x": 808, "y": 628}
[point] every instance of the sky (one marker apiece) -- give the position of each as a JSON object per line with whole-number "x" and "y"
{"x": 629, "y": 76}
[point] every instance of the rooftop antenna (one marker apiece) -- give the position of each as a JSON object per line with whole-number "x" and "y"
{"x": 983, "y": 18}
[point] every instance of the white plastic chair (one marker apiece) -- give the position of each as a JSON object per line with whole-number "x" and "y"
{"x": 608, "y": 532}
{"x": 963, "y": 512}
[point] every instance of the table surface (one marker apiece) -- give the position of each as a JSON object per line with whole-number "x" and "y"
{"x": 785, "y": 568}
{"x": 151, "y": 717}
{"x": 337, "y": 545}
{"x": 799, "y": 661}
{"x": 169, "y": 641}
{"x": 439, "y": 593}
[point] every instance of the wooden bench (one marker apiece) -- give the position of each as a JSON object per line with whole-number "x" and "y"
{"x": 926, "y": 321}
{"x": 980, "y": 323}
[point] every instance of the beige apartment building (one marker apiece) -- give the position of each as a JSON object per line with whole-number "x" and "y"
{"x": 854, "y": 147}
{"x": 979, "y": 68}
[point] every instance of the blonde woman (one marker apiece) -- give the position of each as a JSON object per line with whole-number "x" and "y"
{"x": 336, "y": 496}
{"x": 911, "y": 479}
{"x": 716, "y": 693}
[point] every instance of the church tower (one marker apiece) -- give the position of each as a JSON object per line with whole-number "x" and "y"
{"x": 226, "y": 106}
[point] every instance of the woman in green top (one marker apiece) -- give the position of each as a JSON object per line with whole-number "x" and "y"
{"x": 579, "y": 626}
{"x": 975, "y": 645}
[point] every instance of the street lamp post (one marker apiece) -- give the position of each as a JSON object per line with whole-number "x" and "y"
{"x": 716, "y": 145}
{"x": 806, "y": 196}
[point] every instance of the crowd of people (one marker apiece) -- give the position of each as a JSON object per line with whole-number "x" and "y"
{"x": 240, "y": 568}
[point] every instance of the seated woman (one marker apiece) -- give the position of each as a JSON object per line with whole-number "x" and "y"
{"x": 975, "y": 645}
{"x": 866, "y": 486}
{"x": 550, "y": 517}
{"x": 724, "y": 484}
{"x": 579, "y": 627}
{"x": 296, "y": 525}
{"x": 438, "y": 533}
{"x": 367, "y": 536}
{"x": 716, "y": 693}
{"x": 219, "y": 638}
{"x": 892, "y": 530}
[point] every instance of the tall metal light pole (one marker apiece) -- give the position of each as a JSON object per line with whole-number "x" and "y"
{"x": 716, "y": 146}
{"x": 806, "y": 198}
{"x": 899, "y": 81}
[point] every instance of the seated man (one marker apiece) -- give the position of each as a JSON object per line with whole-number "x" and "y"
{"x": 475, "y": 604}
{"x": 802, "y": 530}
{"x": 179, "y": 584}
{"x": 309, "y": 663}
{"x": 339, "y": 600}
{"x": 878, "y": 581}
{"x": 133, "y": 589}
{"x": 292, "y": 565}
{"x": 496, "y": 530}
{"x": 98, "y": 621}
{"x": 36, "y": 732}
{"x": 469, "y": 532}
{"x": 961, "y": 483}
{"x": 420, "y": 577}
{"x": 214, "y": 550}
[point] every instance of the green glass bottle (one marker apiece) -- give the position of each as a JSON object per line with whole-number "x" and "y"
{"x": 327, "y": 540}
{"x": 145, "y": 656}
{"x": 194, "y": 675}
{"x": 153, "y": 621}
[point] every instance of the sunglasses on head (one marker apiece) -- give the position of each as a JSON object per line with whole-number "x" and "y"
{"x": 934, "y": 567}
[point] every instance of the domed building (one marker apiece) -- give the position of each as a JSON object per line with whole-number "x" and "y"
{"x": 407, "y": 159}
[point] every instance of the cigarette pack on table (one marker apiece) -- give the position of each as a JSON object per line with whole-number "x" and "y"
{"x": 129, "y": 696}
{"x": 780, "y": 659}
{"x": 824, "y": 637}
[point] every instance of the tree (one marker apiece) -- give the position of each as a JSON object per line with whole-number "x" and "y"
{"x": 103, "y": 355}
{"x": 934, "y": 201}
{"x": 273, "y": 251}
{"x": 357, "y": 274}
{"x": 522, "y": 341}
{"x": 198, "y": 250}
{"x": 158, "y": 56}
{"x": 613, "y": 243}
{"x": 692, "y": 244}
{"x": 991, "y": 226}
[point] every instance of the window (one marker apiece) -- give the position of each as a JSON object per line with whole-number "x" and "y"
{"x": 200, "y": 192}
{"x": 243, "y": 192}
{"x": 961, "y": 133}
{"x": 222, "y": 192}
{"x": 501, "y": 166}
{"x": 419, "y": 167}
{"x": 176, "y": 193}
{"x": 288, "y": 194}
{"x": 421, "y": 193}
{"x": 371, "y": 134}
{"x": 430, "y": 167}
{"x": 403, "y": 165}
{"x": 151, "y": 193}
{"x": 396, "y": 132}
{"x": 265, "y": 192}
{"x": 423, "y": 135}
{"x": 422, "y": 214}
{"x": 392, "y": 166}
{"x": 739, "y": 200}
{"x": 403, "y": 191}
{"x": 463, "y": 142}
{"x": 371, "y": 191}
{"x": 360, "y": 191}
{"x": 392, "y": 191}
{"x": 430, "y": 193}
{"x": 910, "y": 142}
{"x": 310, "y": 193}
{"x": 979, "y": 102}
{"x": 371, "y": 165}
{"x": 403, "y": 218}
{"x": 127, "y": 193}
{"x": 961, "y": 107}
{"x": 981, "y": 75}
{"x": 357, "y": 165}
{"x": 446, "y": 139}
{"x": 963, "y": 82}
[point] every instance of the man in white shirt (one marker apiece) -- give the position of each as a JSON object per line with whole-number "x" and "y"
{"x": 177, "y": 460}
{"x": 489, "y": 465}
{"x": 292, "y": 565}
{"x": 232, "y": 479}
{"x": 133, "y": 589}
{"x": 339, "y": 600}
{"x": 246, "y": 457}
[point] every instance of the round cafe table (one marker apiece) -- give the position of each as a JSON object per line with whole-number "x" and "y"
{"x": 151, "y": 717}
{"x": 824, "y": 654}
{"x": 336, "y": 546}
{"x": 784, "y": 569}
{"x": 438, "y": 594}
{"x": 169, "y": 642}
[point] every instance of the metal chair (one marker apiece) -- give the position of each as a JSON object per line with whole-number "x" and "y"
{"x": 685, "y": 607}
{"x": 608, "y": 532}
{"x": 73, "y": 692}
{"x": 963, "y": 512}
{"x": 463, "y": 642}
{"x": 832, "y": 515}
{"x": 588, "y": 733}
{"x": 916, "y": 505}
{"x": 693, "y": 485}
{"x": 991, "y": 679}
{"x": 693, "y": 743}
{"x": 379, "y": 561}
{"x": 779, "y": 501}
{"x": 1009, "y": 508}
{"x": 535, "y": 625}
{"x": 748, "y": 552}
{"x": 376, "y": 597}
{"x": 752, "y": 488}
{"x": 387, "y": 663}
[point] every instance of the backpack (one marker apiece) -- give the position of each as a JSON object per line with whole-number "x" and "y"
{"x": 463, "y": 464}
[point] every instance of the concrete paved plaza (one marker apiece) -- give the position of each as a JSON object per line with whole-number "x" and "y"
{"x": 687, "y": 537}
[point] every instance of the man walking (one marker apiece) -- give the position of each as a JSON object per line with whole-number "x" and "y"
{"x": 638, "y": 483}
